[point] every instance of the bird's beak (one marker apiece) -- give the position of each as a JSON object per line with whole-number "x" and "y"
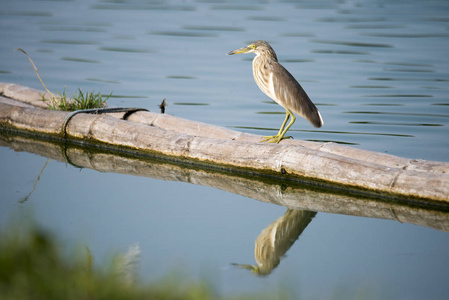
{"x": 252, "y": 268}
{"x": 240, "y": 50}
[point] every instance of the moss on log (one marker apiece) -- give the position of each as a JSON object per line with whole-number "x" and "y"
{"x": 161, "y": 134}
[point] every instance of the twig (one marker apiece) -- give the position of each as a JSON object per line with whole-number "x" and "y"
{"x": 35, "y": 70}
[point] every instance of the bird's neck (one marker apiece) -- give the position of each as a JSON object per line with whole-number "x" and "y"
{"x": 263, "y": 59}
{"x": 267, "y": 58}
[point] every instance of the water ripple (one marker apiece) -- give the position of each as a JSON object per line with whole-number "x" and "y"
{"x": 353, "y": 44}
{"x": 405, "y": 35}
{"x": 71, "y": 28}
{"x": 190, "y": 103}
{"x": 114, "y": 6}
{"x": 69, "y": 42}
{"x": 399, "y": 96}
{"x": 295, "y": 60}
{"x": 313, "y": 4}
{"x": 395, "y": 124}
{"x": 375, "y": 26}
{"x": 408, "y": 79}
{"x": 371, "y": 86}
{"x": 340, "y": 52}
{"x": 180, "y": 77}
{"x": 128, "y": 96}
{"x": 183, "y": 34}
{"x": 382, "y": 104}
{"x": 394, "y": 63}
{"x": 352, "y": 20}
{"x": 298, "y": 34}
{"x": 123, "y": 49}
{"x": 214, "y": 28}
{"x": 358, "y": 133}
{"x": 397, "y": 114}
{"x": 266, "y": 18}
{"x": 235, "y": 7}
{"x": 82, "y": 60}
{"x": 27, "y": 13}
{"x": 410, "y": 70}
{"x": 103, "y": 80}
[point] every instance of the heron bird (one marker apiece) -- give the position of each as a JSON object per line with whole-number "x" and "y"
{"x": 278, "y": 84}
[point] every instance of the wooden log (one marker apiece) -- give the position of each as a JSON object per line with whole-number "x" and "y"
{"x": 292, "y": 195}
{"x": 23, "y": 94}
{"x": 158, "y": 134}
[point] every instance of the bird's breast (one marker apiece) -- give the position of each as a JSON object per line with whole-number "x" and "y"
{"x": 263, "y": 77}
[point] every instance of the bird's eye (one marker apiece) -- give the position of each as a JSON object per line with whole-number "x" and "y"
{"x": 253, "y": 46}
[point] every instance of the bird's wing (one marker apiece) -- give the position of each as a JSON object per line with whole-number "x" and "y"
{"x": 292, "y": 96}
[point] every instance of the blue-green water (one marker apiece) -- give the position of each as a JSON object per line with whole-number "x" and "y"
{"x": 377, "y": 70}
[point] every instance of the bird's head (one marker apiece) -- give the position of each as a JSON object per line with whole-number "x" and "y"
{"x": 257, "y": 47}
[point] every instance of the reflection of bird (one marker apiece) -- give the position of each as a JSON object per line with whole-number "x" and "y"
{"x": 278, "y": 84}
{"x": 275, "y": 240}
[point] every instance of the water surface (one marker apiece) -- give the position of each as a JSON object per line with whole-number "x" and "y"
{"x": 378, "y": 72}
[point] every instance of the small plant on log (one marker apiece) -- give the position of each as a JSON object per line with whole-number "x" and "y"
{"x": 62, "y": 102}
{"x": 78, "y": 101}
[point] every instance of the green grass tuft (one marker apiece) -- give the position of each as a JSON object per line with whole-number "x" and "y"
{"x": 79, "y": 101}
{"x": 32, "y": 267}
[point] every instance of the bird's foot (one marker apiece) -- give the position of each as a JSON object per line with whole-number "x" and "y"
{"x": 274, "y": 138}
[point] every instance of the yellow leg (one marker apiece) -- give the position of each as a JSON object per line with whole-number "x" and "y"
{"x": 288, "y": 127}
{"x": 287, "y": 116}
{"x": 282, "y": 131}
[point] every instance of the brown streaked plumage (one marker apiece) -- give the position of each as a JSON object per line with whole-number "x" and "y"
{"x": 278, "y": 84}
{"x": 275, "y": 240}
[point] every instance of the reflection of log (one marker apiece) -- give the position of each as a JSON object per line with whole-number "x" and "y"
{"x": 275, "y": 240}
{"x": 177, "y": 138}
{"x": 286, "y": 193}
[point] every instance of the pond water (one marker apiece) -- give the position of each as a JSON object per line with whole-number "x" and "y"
{"x": 377, "y": 70}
